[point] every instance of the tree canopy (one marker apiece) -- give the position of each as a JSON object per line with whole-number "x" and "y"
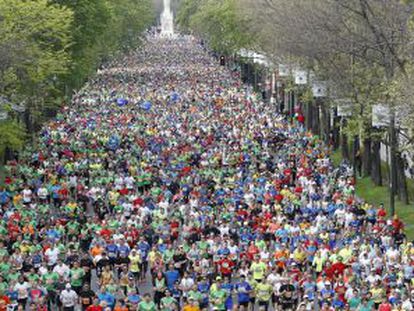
{"x": 50, "y": 47}
{"x": 221, "y": 22}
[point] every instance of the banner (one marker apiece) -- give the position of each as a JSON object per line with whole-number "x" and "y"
{"x": 4, "y": 100}
{"x": 3, "y": 115}
{"x": 284, "y": 70}
{"x": 300, "y": 77}
{"x": 381, "y": 115}
{"x": 18, "y": 108}
{"x": 121, "y": 102}
{"x": 319, "y": 89}
{"x": 344, "y": 107}
{"x": 146, "y": 105}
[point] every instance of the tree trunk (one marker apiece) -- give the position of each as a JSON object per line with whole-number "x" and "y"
{"x": 393, "y": 162}
{"x": 356, "y": 157}
{"x": 366, "y": 157}
{"x": 282, "y": 101}
{"x": 3, "y": 158}
{"x": 28, "y": 121}
{"x": 316, "y": 128}
{"x": 376, "y": 174}
{"x": 401, "y": 180}
{"x": 308, "y": 116}
{"x": 344, "y": 143}
{"x": 326, "y": 123}
{"x": 336, "y": 133}
{"x": 8, "y": 155}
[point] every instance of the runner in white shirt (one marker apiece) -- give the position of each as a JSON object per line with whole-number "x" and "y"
{"x": 130, "y": 182}
{"x": 52, "y": 255}
{"x": 62, "y": 269}
{"x": 69, "y": 298}
{"x": 407, "y": 304}
{"x": 27, "y": 195}
{"x": 22, "y": 289}
{"x": 234, "y": 249}
{"x": 42, "y": 193}
{"x": 186, "y": 284}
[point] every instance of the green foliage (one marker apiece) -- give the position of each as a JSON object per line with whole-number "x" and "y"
{"x": 36, "y": 36}
{"x": 354, "y": 127}
{"x": 35, "y": 40}
{"x": 128, "y": 19}
{"x": 101, "y": 29}
{"x": 220, "y": 22}
{"x": 90, "y": 21}
{"x": 12, "y": 135}
{"x": 187, "y": 9}
{"x": 50, "y": 47}
{"x": 363, "y": 84}
{"x": 290, "y": 85}
{"x": 307, "y": 95}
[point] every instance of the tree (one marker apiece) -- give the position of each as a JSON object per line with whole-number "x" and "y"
{"x": 345, "y": 42}
{"x": 221, "y": 23}
{"x": 35, "y": 37}
{"x": 186, "y": 10}
{"x": 101, "y": 29}
{"x": 50, "y": 47}
{"x": 12, "y": 136}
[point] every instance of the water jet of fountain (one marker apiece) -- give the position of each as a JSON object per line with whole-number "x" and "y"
{"x": 167, "y": 20}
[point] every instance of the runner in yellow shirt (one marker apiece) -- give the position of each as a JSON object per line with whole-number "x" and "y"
{"x": 258, "y": 269}
{"x": 135, "y": 262}
{"x": 263, "y": 294}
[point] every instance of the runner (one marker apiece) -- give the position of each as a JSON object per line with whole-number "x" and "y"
{"x": 168, "y": 176}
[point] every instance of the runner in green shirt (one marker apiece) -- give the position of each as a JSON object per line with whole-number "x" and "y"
{"x": 147, "y": 304}
{"x": 76, "y": 276}
{"x": 168, "y": 303}
{"x": 195, "y": 294}
{"x": 33, "y": 277}
{"x": 4, "y": 267}
{"x": 50, "y": 279}
{"x": 355, "y": 301}
{"x": 218, "y": 296}
{"x": 13, "y": 275}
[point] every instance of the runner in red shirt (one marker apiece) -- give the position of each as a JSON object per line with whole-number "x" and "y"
{"x": 225, "y": 267}
{"x": 95, "y": 306}
{"x": 385, "y": 305}
{"x": 4, "y": 301}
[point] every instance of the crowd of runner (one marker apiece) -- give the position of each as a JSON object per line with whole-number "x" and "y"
{"x": 169, "y": 185}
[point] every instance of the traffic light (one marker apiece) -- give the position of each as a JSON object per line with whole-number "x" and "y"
{"x": 222, "y": 60}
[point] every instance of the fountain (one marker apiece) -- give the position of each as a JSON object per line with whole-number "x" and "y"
{"x": 167, "y": 20}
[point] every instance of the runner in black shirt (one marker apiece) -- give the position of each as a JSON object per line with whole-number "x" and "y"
{"x": 86, "y": 296}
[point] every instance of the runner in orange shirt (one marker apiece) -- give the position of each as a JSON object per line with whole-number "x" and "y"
{"x": 191, "y": 305}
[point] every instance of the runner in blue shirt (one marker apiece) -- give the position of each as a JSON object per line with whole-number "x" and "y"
{"x": 204, "y": 288}
{"x": 171, "y": 276}
{"x": 108, "y": 298}
{"x": 112, "y": 251}
{"x": 243, "y": 290}
{"x": 228, "y": 287}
